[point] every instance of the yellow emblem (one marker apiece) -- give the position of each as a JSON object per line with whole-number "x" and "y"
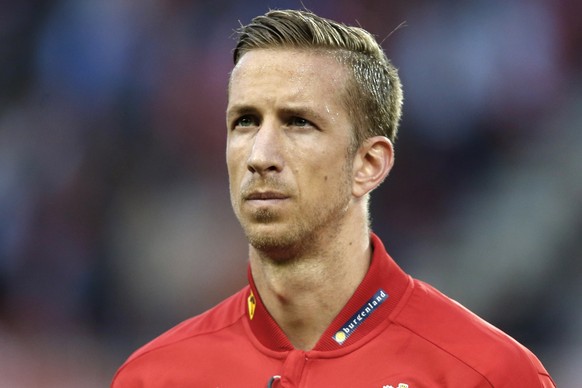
{"x": 339, "y": 337}
{"x": 252, "y": 303}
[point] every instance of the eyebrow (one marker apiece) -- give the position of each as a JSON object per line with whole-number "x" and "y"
{"x": 237, "y": 110}
{"x": 302, "y": 112}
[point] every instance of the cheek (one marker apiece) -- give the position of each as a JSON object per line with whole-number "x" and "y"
{"x": 230, "y": 164}
{"x": 338, "y": 176}
{"x": 234, "y": 175}
{"x": 326, "y": 181}
{"x": 234, "y": 158}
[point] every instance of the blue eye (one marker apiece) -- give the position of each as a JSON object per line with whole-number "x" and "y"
{"x": 299, "y": 122}
{"x": 245, "y": 121}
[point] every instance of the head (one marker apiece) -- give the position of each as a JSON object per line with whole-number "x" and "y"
{"x": 313, "y": 109}
{"x": 373, "y": 93}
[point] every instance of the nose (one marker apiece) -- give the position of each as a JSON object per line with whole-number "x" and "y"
{"x": 265, "y": 156}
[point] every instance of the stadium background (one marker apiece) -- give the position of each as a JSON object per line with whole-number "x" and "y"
{"x": 115, "y": 222}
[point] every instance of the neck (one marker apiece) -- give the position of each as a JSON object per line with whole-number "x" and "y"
{"x": 305, "y": 293}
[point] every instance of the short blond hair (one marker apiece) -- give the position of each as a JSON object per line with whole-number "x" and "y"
{"x": 373, "y": 96}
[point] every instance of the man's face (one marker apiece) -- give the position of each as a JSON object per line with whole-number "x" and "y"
{"x": 288, "y": 147}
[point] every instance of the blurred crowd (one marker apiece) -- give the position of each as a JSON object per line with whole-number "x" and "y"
{"x": 115, "y": 221}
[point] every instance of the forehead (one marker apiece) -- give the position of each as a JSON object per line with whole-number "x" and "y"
{"x": 289, "y": 71}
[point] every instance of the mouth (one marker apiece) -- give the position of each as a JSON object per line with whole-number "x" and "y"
{"x": 265, "y": 196}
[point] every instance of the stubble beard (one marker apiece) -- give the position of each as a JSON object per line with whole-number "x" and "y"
{"x": 302, "y": 234}
{"x": 305, "y": 229}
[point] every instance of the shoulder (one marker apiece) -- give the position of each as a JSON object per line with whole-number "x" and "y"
{"x": 191, "y": 338}
{"x": 216, "y": 319}
{"x": 447, "y": 325}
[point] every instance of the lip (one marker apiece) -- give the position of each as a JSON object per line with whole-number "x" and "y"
{"x": 265, "y": 196}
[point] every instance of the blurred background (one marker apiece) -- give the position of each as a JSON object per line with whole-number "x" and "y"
{"x": 115, "y": 222}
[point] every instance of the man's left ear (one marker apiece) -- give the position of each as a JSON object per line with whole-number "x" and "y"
{"x": 372, "y": 164}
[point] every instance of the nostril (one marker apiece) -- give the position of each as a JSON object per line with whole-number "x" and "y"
{"x": 263, "y": 165}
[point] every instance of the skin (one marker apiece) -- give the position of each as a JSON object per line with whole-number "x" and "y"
{"x": 298, "y": 191}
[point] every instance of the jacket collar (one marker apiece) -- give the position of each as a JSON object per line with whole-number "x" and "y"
{"x": 369, "y": 307}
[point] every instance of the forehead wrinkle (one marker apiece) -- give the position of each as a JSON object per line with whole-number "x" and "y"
{"x": 251, "y": 91}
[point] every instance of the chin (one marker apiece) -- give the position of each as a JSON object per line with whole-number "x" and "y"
{"x": 283, "y": 243}
{"x": 266, "y": 233}
{"x": 263, "y": 239}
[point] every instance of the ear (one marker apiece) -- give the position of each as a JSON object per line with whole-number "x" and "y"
{"x": 372, "y": 164}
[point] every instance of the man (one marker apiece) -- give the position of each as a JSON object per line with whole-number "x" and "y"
{"x": 312, "y": 115}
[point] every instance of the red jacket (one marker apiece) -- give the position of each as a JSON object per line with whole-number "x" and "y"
{"x": 395, "y": 332}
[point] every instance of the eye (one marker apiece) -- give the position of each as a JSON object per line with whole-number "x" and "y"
{"x": 299, "y": 122}
{"x": 245, "y": 122}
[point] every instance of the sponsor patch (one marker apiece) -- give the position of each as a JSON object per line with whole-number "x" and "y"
{"x": 356, "y": 320}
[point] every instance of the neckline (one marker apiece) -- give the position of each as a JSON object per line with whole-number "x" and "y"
{"x": 369, "y": 307}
